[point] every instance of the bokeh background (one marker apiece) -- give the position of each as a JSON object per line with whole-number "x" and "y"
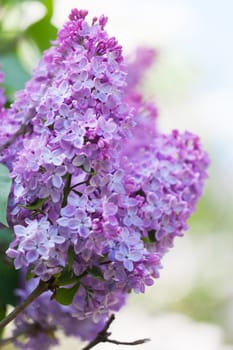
{"x": 191, "y": 305}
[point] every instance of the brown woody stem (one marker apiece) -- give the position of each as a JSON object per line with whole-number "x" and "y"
{"x": 103, "y": 337}
{"x": 41, "y": 288}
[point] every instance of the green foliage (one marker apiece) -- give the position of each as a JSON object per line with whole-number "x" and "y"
{"x": 151, "y": 235}
{"x": 5, "y": 186}
{"x": 9, "y": 282}
{"x": 49, "y": 7}
{"x": 30, "y": 274}
{"x": 71, "y": 257}
{"x": 6, "y": 236}
{"x": 66, "y": 277}
{"x": 9, "y": 276}
{"x": 36, "y": 205}
{"x": 2, "y": 316}
{"x": 65, "y": 296}
{"x": 12, "y": 59}
{"x": 14, "y": 73}
{"x": 150, "y": 238}
{"x": 10, "y": 2}
{"x": 96, "y": 272}
{"x": 42, "y": 32}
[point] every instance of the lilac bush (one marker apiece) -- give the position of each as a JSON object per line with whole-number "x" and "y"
{"x": 99, "y": 193}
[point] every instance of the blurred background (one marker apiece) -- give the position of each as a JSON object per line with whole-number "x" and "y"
{"x": 191, "y": 305}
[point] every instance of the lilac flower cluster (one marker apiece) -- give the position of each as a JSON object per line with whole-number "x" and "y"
{"x": 98, "y": 192}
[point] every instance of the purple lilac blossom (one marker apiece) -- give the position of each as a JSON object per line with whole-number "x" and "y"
{"x": 93, "y": 175}
{"x": 137, "y": 64}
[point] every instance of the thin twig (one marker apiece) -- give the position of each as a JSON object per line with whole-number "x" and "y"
{"x": 66, "y": 190}
{"x": 77, "y": 192}
{"x": 41, "y": 288}
{"x": 87, "y": 182}
{"x": 103, "y": 337}
{"x": 135, "y": 342}
{"x": 7, "y": 261}
{"x": 7, "y": 341}
{"x": 31, "y": 330}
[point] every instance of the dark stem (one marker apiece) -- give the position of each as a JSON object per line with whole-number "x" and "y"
{"x": 77, "y": 192}
{"x": 66, "y": 190}
{"x": 135, "y": 342}
{"x": 31, "y": 330}
{"x": 41, "y": 288}
{"x": 7, "y": 341}
{"x": 103, "y": 337}
{"x": 7, "y": 261}
{"x": 87, "y": 182}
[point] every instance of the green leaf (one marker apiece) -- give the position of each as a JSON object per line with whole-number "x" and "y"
{"x": 6, "y": 236}
{"x": 146, "y": 240}
{"x": 47, "y": 3}
{"x": 5, "y": 186}
{"x": 42, "y": 32}
{"x": 37, "y": 204}
{"x": 150, "y": 238}
{"x": 9, "y": 282}
{"x": 65, "y": 296}
{"x": 2, "y": 312}
{"x": 49, "y": 7}
{"x": 15, "y": 75}
{"x": 66, "y": 277}
{"x": 30, "y": 274}
{"x": 8, "y": 2}
{"x": 96, "y": 272}
{"x": 151, "y": 235}
{"x": 2, "y": 316}
{"x": 9, "y": 276}
{"x": 71, "y": 257}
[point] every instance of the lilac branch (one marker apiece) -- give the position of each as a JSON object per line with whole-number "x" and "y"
{"x": 135, "y": 342}
{"x": 103, "y": 337}
{"x": 32, "y": 329}
{"x": 7, "y": 341}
